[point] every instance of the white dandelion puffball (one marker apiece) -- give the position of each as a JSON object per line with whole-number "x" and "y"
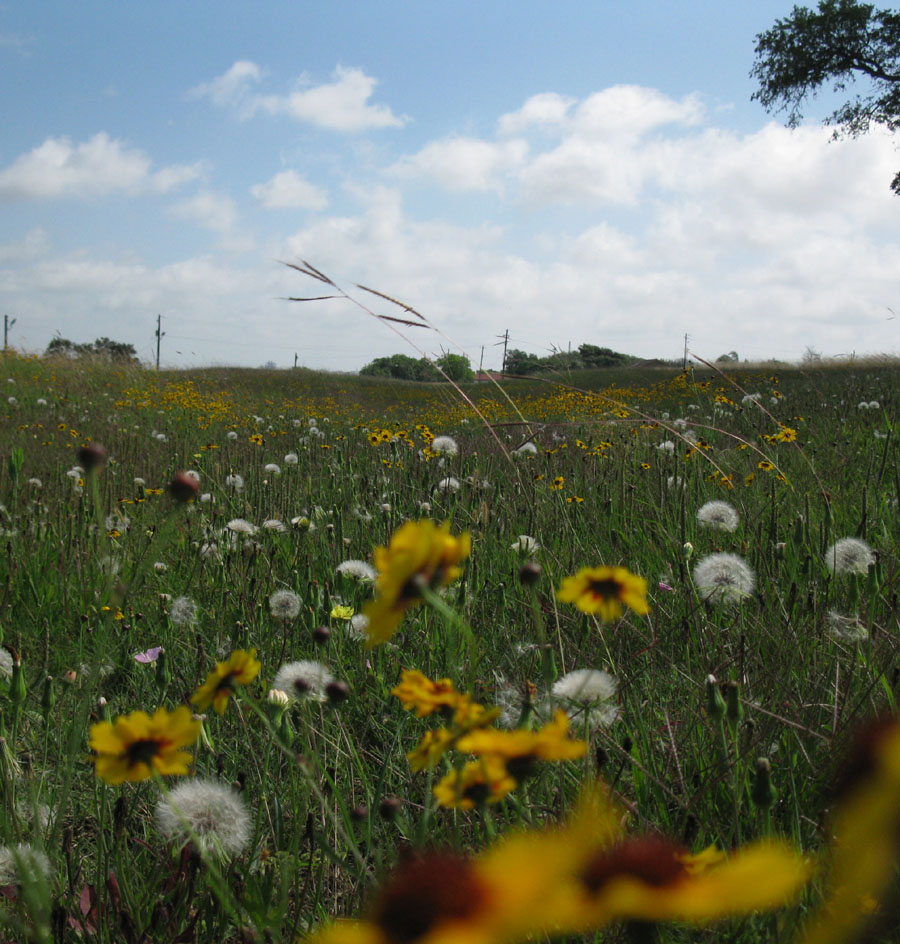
{"x": 724, "y": 578}
{"x": 588, "y": 691}
{"x": 231, "y": 434}
{"x": 525, "y": 450}
{"x": 211, "y": 815}
{"x": 718, "y": 515}
{"x": 448, "y": 486}
{"x": 183, "y": 611}
{"x": 445, "y": 446}
{"x": 241, "y": 526}
{"x": 358, "y": 627}
{"x": 22, "y": 863}
{"x": 273, "y": 524}
{"x": 291, "y": 458}
{"x": 874, "y": 405}
{"x": 849, "y": 556}
{"x": 284, "y": 605}
{"x": 357, "y": 570}
{"x": 525, "y": 544}
{"x": 193, "y": 475}
{"x": 846, "y": 628}
{"x": 666, "y": 446}
{"x": 585, "y": 685}
{"x": 304, "y": 679}
{"x": 272, "y": 468}
{"x": 6, "y": 663}
{"x": 234, "y": 481}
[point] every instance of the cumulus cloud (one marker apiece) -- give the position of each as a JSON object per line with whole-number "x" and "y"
{"x": 216, "y": 212}
{"x": 340, "y": 105}
{"x": 463, "y": 164}
{"x": 96, "y": 167}
{"x": 288, "y": 190}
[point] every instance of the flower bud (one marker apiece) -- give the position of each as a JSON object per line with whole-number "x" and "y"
{"x": 183, "y": 487}
{"x": 687, "y": 549}
{"x": 715, "y": 703}
{"x": 763, "y": 792}
{"x": 734, "y": 710}
{"x": 91, "y": 457}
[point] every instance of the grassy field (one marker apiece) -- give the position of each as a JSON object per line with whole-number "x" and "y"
{"x": 714, "y": 706}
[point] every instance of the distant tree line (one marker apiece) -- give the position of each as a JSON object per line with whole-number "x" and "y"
{"x": 586, "y": 356}
{"x": 403, "y": 367}
{"x": 102, "y": 348}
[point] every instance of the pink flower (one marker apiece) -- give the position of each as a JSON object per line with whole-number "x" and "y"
{"x": 665, "y": 586}
{"x": 151, "y": 655}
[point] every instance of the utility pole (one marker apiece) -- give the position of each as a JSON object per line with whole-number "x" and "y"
{"x": 159, "y": 337}
{"x": 684, "y": 358}
{"x": 295, "y": 360}
{"x": 7, "y": 324}
{"x": 481, "y": 361}
{"x": 505, "y": 337}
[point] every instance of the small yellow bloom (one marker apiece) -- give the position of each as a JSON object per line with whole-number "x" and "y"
{"x": 136, "y": 746}
{"x": 420, "y": 692}
{"x": 239, "y": 669}
{"x": 430, "y": 749}
{"x": 485, "y": 780}
{"x": 342, "y": 612}
{"x": 557, "y": 484}
{"x": 605, "y": 591}
{"x": 521, "y": 748}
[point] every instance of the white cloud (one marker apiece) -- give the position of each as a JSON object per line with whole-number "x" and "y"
{"x": 465, "y": 164}
{"x": 97, "y": 167}
{"x": 546, "y": 110}
{"x": 216, "y": 212}
{"x": 340, "y": 105}
{"x": 288, "y": 190}
{"x": 35, "y": 244}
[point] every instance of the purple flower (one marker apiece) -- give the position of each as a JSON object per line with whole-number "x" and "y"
{"x": 665, "y": 586}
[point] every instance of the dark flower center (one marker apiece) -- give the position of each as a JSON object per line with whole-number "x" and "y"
{"x": 605, "y": 589}
{"x": 142, "y": 752}
{"x": 425, "y": 892}
{"x": 650, "y": 859}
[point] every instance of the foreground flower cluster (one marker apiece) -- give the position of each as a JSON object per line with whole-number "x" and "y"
{"x": 575, "y": 878}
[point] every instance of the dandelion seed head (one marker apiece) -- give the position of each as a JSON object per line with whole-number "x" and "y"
{"x": 273, "y": 524}
{"x": 303, "y": 679}
{"x": 291, "y": 458}
{"x": 845, "y": 628}
{"x": 357, "y": 570}
{"x": 587, "y": 694}
{"x": 284, "y": 605}
{"x": 358, "y": 626}
{"x": 234, "y": 481}
{"x": 724, "y": 578}
{"x": 849, "y": 556}
{"x": 525, "y": 544}
{"x": 448, "y": 486}
{"x": 183, "y": 611}
{"x": 210, "y": 814}
{"x": 22, "y": 863}
{"x": 241, "y": 526}
{"x": 666, "y": 446}
{"x": 272, "y": 468}
{"x": 6, "y": 663}
{"x": 525, "y": 450}
{"x": 445, "y": 446}
{"x": 718, "y": 515}
{"x": 231, "y": 434}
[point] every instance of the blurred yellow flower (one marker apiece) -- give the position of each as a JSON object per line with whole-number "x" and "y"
{"x": 342, "y": 612}
{"x": 420, "y": 692}
{"x": 421, "y": 555}
{"x": 520, "y": 749}
{"x": 605, "y": 591}
{"x": 485, "y": 780}
{"x": 136, "y": 746}
{"x": 239, "y": 669}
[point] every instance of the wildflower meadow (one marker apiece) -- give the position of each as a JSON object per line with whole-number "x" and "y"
{"x": 603, "y": 656}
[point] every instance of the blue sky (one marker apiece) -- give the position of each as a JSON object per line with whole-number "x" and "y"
{"x": 571, "y": 172}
